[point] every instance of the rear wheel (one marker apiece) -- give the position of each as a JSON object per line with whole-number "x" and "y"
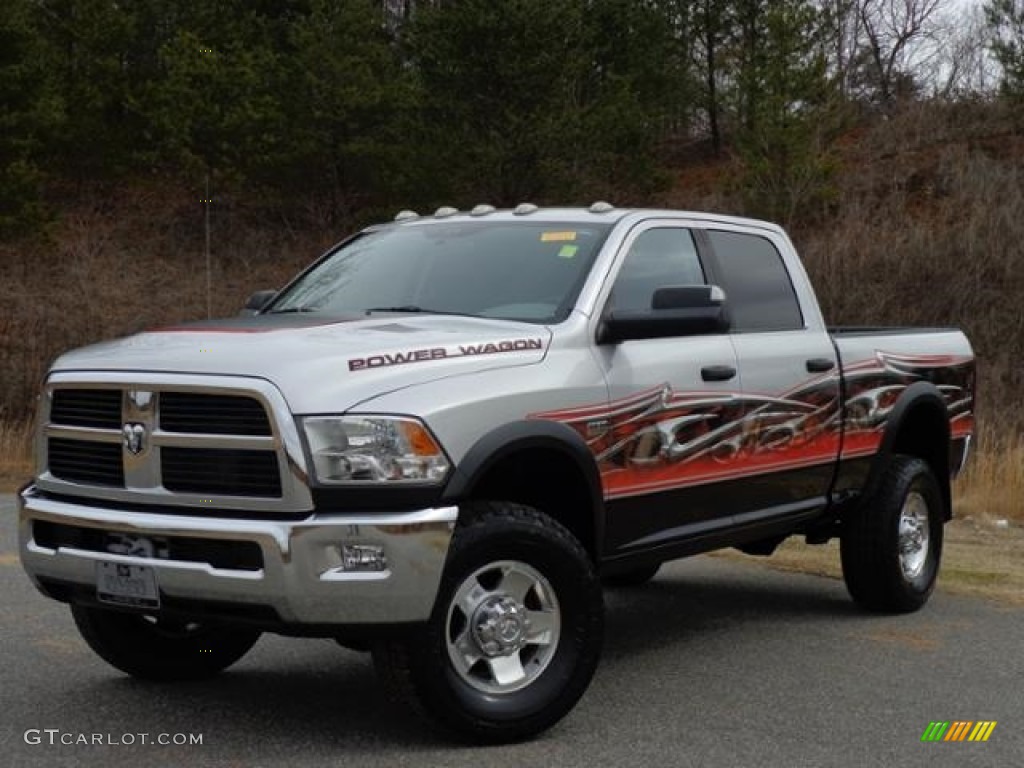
{"x": 516, "y": 631}
{"x": 162, "y": 649}
{"x": 892, "y": 546}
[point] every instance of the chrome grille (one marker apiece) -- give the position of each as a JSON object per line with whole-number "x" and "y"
{"x": 220, "y": 471}
{"x": 100, "y": 408}
{"x": 192, "y": 443}
{"x": 84, "y": 461}
{"x": 212, "y": 414}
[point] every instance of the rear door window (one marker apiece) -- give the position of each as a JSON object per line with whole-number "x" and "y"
{"x": 758, "y": 290}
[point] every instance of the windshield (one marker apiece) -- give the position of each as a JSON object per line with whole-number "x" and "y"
{"x": 514, "y": 270}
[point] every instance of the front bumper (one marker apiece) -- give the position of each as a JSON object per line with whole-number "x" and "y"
{"x": 301, "y": 579}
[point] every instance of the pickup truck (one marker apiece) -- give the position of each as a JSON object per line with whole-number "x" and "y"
{"x": 443, "y": 440}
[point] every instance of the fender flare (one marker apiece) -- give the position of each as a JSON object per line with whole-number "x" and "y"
{"x": 520, "y": 436}
{"x": 919, "y": 395}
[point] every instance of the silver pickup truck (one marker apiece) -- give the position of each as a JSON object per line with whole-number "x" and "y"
{"x": 443, "y": 439}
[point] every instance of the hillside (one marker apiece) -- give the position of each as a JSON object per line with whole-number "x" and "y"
{"x": 922, "y": 225}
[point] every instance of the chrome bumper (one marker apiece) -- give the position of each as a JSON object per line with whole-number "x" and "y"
{"x": 302, "y": 578}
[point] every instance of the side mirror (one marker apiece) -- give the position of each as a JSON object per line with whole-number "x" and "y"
{"x": 680, "y": 310}
{"x": 258, "y": 301}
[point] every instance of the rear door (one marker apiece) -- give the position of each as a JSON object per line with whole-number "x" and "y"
{"x": 788, "y": 373}
{"x": 673, "y": 400}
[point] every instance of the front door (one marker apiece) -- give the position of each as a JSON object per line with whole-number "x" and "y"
{"x": 674, "y": 403}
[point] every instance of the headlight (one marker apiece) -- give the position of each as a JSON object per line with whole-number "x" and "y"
{"x": 373, "y": 449}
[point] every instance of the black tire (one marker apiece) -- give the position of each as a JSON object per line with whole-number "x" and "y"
{"x": 161, "y": 649}
{"x": 503, "y": 544}
{"x": 881, "y": 574}
{"x": 636, "y": 577}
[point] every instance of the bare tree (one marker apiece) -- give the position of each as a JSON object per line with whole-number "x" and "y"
{"x": 894, "y": 36}
{"x": 964, "y": 65}
{"x": 846, "y": 39}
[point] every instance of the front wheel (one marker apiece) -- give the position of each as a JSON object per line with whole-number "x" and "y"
{"x": 515, "y": 634}
{"x": 161, "y": 649}
{"x": 892, "y": 546}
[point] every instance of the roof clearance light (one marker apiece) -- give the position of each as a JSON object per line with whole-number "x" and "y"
{"x": 445, "y": 211}
{"x": 406, "y": 215}
{"x": 525, "y": 209}
{"x": 482, "y": 210}
{"x": 601, "y": 207}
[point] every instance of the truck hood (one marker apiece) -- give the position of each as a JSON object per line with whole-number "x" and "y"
{"x": 323, "y": 364}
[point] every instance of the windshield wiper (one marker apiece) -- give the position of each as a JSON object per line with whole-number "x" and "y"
{"x": 403, "y": 308}
{"x": 290, "y": 310}
{"x": 412, "y": 309}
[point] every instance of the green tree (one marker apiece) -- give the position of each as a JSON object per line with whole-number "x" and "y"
{"x": 87, "y": 44}
{"x": 785, "y": 105}
{"x": 1005, "y": 19}
{"x": 30, "y": 115}
{"x": 709, "y": 23}
{"x": 639, "y": 91}
{"x": 293, "y": 101}
{"x": 539, "y": 99}
{"x": 498, "y": 82}
{"x": 350, "y": 108}
{"x": 212, "y": 104}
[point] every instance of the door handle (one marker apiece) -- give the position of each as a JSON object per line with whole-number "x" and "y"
{"x": 717, "y": 372}
{"x": 820, "y": 364}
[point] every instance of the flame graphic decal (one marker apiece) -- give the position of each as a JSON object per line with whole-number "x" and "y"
{"x": 660, "y": 439}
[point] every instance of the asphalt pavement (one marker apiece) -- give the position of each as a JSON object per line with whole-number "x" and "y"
{"x": 715, "y": 663}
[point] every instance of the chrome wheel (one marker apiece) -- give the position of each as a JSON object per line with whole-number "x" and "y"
{"x": 913, "y": 535}
{"x": 891, "y": 545}
{"x": 515, "y": 634}
{"x": 503, "y": 627}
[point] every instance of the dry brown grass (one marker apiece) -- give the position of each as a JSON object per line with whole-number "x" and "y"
{"x": 992, "y": 486}
{"x": 15, "y": 455}
{"x": 112, "y": 266}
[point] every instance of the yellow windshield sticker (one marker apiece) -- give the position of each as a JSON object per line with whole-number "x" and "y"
{"x": 557, "y": 237}
{"x": 567, "y": 251}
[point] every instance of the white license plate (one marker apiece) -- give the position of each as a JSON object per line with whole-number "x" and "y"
{"x": 127, "y": 585}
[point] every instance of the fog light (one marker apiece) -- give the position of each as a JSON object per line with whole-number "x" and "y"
{"x": 363, "y": 557}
